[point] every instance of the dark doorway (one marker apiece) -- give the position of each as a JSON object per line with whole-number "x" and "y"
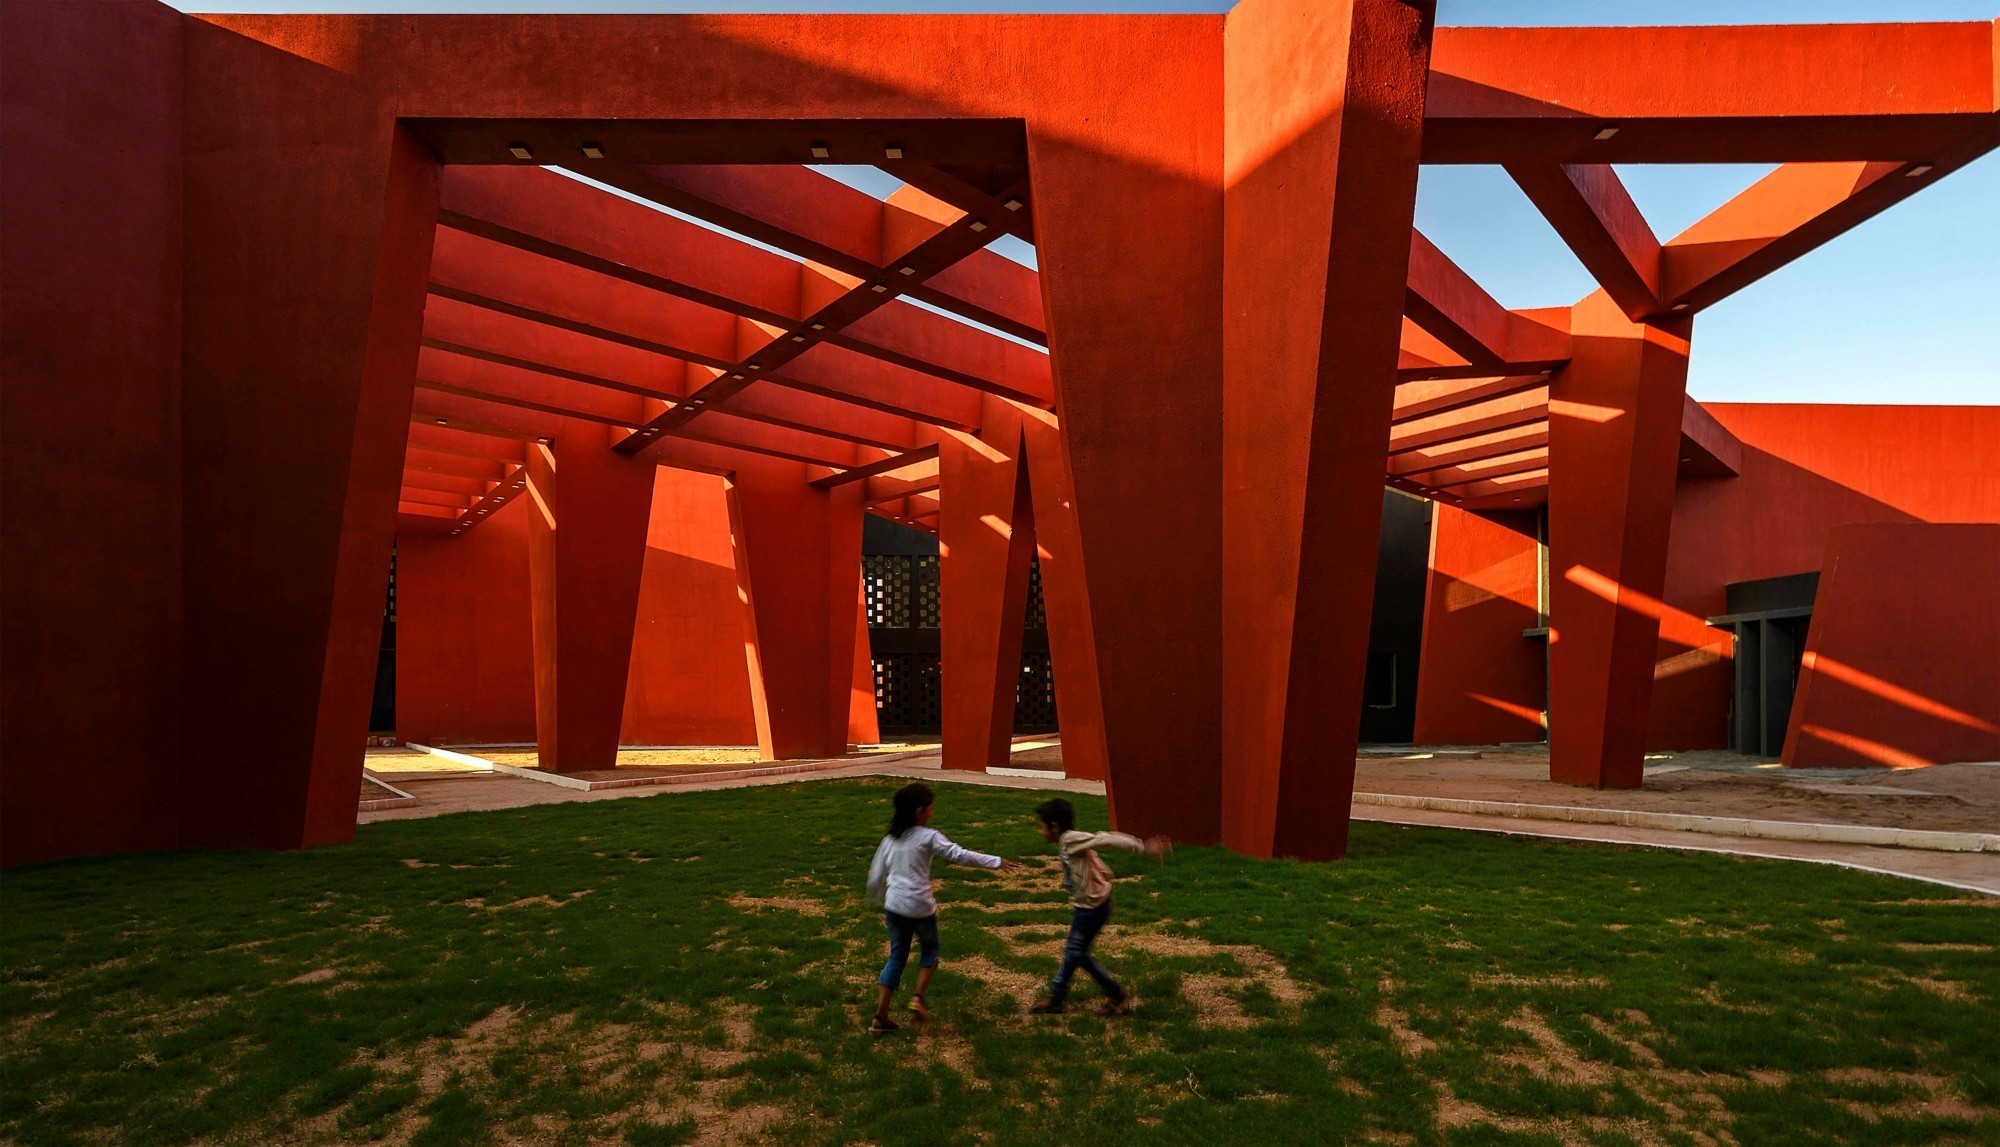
{"x": 1770, "y": 617}
{"x": 1396, "y": 631}
{"x": 382, "y": 714}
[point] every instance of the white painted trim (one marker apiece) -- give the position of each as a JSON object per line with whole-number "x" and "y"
{"x": 1837, "y": 863}
{"x": 447, "y": 754}
{"x": 400, "y": 800}
{"x": 1713, "y": 825}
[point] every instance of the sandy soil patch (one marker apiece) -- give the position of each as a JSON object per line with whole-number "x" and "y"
{"x": 798, "y": 904}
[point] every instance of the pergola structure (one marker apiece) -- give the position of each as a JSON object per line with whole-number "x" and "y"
{"x": 391, "y": 316}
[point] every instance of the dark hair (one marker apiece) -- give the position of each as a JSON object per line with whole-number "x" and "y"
{"x": 910, "y": 799}
{"x": 1057, "y": 812}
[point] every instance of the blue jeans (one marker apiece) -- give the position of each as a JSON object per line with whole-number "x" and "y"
{"x": 1084, "y": 925}
{"x": 901, "y": 928}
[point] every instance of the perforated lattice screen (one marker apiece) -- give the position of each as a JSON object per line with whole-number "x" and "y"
{"x": 1038, "y": 614}
{"x": 902, "y": 593}
{"x": 1035, "y": 696}
{"x": 928, "y": 609}
{"x": 887, "y": 581}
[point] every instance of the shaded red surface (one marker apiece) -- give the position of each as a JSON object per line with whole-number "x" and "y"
{"x": 90, "y": 558}
{"x": 465, "y": 647}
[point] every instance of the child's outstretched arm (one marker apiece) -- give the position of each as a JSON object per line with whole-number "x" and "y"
{"x": 942, "y": 846}
{"x": 1155, "y": 847}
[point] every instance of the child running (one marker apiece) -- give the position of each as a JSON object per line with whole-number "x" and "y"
{"x": 899, "y": 882}
{"x": 1088, "y": 882}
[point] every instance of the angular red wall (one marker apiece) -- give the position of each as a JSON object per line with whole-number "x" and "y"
{"x": 1479, "y": 681}
{"x": 690, "y": 683}
{"x": 1902, "y": 665}
{"x": 90, "y": 429}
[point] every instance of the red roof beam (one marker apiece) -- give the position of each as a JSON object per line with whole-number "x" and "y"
{"x": 451, "y": 465}
{"x": 1421, "y": 399}
{"x": 1452, "y": 452}
{"x": 1785, "y": 215}
{"x": 1498, "y": 414}
{"x": 799, "y": 210}
{"x": 1731, "y": 94}
{"x": 1590, "y": 209}
{"x": 1449, "y": 305}
{"x": 889, "y": 465}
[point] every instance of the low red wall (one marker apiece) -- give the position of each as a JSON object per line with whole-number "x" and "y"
{"x": 1902, "y": 664}
{"x": 1806, "y": 471}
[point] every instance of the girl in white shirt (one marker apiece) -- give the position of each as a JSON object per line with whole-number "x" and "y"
{"x": 899, "y": 882}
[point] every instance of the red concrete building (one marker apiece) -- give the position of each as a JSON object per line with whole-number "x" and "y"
{"x": 285, "y": 295}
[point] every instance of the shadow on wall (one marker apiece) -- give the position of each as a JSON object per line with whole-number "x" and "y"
{"x": 1902, "y": 665}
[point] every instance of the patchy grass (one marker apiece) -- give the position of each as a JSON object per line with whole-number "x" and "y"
{"x": 698, "y": 968}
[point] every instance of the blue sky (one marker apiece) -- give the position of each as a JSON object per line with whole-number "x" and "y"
{"x": 1904, "y": 309}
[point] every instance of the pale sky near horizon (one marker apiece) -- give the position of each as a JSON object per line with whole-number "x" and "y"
{"x": 1904, "y": 309}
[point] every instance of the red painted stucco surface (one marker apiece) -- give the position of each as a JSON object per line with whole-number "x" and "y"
{"x": 1871, "y": 695}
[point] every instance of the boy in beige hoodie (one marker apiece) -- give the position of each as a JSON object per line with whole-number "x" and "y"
{"x": 1088, "y": 882}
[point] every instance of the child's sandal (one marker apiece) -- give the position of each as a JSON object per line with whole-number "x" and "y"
{"x": 1115, "y": 1007}
{"x": 919, "y": 1010}
{"x": 883, "y": 1025}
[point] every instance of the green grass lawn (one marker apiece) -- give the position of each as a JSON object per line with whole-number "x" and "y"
{"x": 698, "y": 967}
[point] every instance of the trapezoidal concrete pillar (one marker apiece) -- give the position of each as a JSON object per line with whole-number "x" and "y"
{"x": 1066, "y": 600}
{"x": 986, "y": 540}
{"x": 1325, "y": 108}
{"x": 308, "y": 217}
{"x": 586, "y": 558}
{"x": 1614, "y": 450}
{"x": 1002, "y": 506}
{"x": 1127, "y": 227}
{"x": 798, "y": 575}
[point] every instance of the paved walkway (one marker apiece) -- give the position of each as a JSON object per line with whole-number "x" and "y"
{"x": 442, "y": 793}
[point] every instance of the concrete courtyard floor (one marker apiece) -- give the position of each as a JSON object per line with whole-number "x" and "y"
{"x": 1956, "y": 798}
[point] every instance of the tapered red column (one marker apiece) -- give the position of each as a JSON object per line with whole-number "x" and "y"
{"x": 1072, "y": 637}
{"x": 1325, "y": 103}
{"x": 308, "y": 220}
{"x": 798, "y": 571}
{"x": 586, "y": 559}
{"x": 1614, "y": 448}
{"x": 864, "y": 726}
{"x": 986, "y": 537}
